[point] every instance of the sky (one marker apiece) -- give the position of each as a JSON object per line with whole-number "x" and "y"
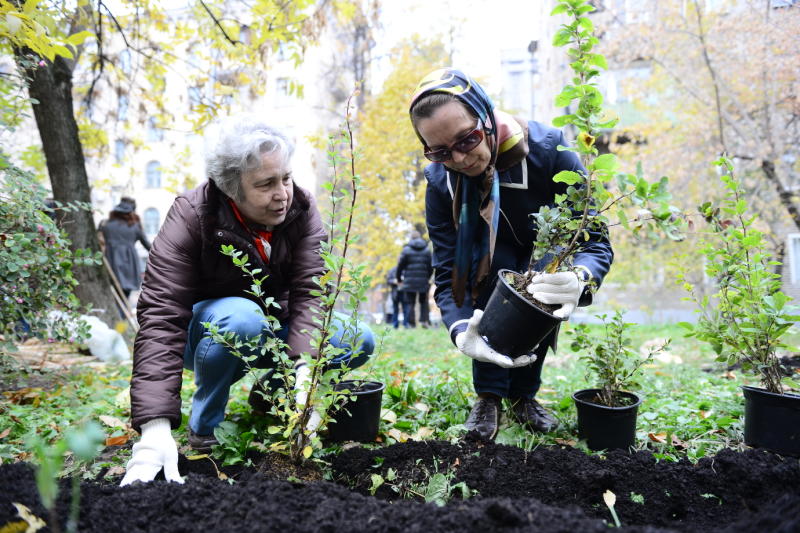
{"x": 480, "y": 28}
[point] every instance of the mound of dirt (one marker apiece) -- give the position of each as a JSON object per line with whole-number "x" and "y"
{"x": 549, "y": 489}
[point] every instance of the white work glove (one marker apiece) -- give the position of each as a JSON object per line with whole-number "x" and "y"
{"x": 302, "y": 376}
{"x": 564, "y": 288}
{"x": 156, "y": 449}
{"x": 471, "y": 343}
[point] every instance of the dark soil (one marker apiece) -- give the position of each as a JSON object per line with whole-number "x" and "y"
{"x": 549, "y": 489}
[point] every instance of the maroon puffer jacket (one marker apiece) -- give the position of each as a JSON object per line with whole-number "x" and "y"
{"x": 186, "y": 266}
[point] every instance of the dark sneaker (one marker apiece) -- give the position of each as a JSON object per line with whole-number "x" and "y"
{"x": 484, "y": 417}
{"x": 532, "y": 415}
{"x": 202, "y": 443}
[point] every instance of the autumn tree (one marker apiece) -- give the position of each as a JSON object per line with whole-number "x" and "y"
{"x": 391, "y": 161}
{"x": 718, "y": 78}
{"x": 222, "y": 48}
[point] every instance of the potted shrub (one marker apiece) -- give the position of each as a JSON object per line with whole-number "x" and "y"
{"x": 607, "y": 413}
{"x": 513, "y": 322}
{"x": 745, "y": 319}
{"x": 358, "y": 418}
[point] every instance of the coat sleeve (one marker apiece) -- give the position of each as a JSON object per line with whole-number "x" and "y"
{"x": 595, "y": 253}
{"x": 143, "y": 238}
{"x": 306, "y": 264}
{"x": 164, "y": 311}
{"x": 442, "y": 232}
{"x": 402, "y": 263}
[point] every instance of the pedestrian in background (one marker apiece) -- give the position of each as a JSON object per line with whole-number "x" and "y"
{"x": 414, "y": 271}
{"x": 120, "y": 233}
{"x": 395, "y": 297}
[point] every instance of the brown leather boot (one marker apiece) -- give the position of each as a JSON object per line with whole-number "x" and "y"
{"x": 485, "y": 417}
{"x": 532, "y": 415}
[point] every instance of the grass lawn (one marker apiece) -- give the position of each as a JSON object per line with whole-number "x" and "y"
{"x": 692, "y": 406}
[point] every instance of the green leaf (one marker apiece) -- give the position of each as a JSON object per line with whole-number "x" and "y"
{"x": 606, "y": 162}
{"x": 568, "y": 176}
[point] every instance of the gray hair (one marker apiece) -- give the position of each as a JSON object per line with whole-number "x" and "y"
{"x": 241, "y": 143}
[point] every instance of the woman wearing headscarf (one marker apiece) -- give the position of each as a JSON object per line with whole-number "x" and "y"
{"x": 120, "y": 233}
{"x": 489, "y": 171}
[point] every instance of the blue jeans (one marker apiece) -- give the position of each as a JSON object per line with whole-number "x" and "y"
{"x": 215, "y": 369}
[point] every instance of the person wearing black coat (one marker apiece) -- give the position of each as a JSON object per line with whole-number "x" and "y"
{"x": 414, "y": 271}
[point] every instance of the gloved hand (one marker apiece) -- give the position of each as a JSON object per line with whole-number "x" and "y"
{"x": 302, "y": 376}
{"x": 156, "y": 449}
{"x": 564, "y": 288}
{"x": 472, "y": 344}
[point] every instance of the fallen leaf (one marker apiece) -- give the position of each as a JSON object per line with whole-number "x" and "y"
{"x": 422, "y": 433}
{"x": 5, "y": 433}
{"x": 196, "y": 457}
{"x": 457, "y": 463}
{"x": 115, "y": 470}
{"x": 704, "y": 414}
{"x": 419, "y": 406}
{"x": 662, "y": 439}
{"x": 398, "y": 435}
{"x": 117, "y": 441}
{"x": 112, "y": 421}
{"x": 389, "y": 415}
{"x": 566, "y": 442}
{"x": 729, "y": 375}
{"x": 24, "y": 396}
{"x": 34, "y": 522}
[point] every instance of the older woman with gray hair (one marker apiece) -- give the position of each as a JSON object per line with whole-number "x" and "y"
{"x": 251, "y": 202}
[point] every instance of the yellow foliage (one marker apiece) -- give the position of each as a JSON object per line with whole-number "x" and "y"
{"x": 391, "y": 166}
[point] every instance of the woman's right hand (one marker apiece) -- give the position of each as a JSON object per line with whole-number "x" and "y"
{"x": 154, "y": 451}
{"x": 471, "y": 343}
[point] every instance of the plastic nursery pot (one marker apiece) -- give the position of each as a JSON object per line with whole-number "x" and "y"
{"x": 605, "y": 427}
{"x": 511, "y": 324}
{"x": 772, "y": 421}
{"x": 358, "y": 419}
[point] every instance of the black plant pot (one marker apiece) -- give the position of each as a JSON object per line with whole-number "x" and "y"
{"x": 772, "y": 421}
{"x": 511, "y": 324}
{"x": 358, "y": 419}
{"x": 605, "y": 427}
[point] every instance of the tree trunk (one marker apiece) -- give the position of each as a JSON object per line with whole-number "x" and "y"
{"x": 50, "y": 86}
{"x": 786, "y": 196}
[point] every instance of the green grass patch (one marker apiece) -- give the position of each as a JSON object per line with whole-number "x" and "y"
{"x": 691, "y": 406}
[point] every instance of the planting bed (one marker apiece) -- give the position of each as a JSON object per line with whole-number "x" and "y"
{"x": 549, "y": 489}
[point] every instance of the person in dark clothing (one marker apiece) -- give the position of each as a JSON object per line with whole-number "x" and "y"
{"x": 396, "y": 295}
{"x": 252, "y": 203}
{"x": 489, "y": 171}
{"x": 414, "y": 270}
{"x": 120, "y": 233}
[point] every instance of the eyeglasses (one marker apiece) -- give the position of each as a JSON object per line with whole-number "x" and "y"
{"x": 465, "y": 144}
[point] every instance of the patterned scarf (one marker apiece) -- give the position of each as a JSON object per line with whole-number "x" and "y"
{"x": 476, "y": 201}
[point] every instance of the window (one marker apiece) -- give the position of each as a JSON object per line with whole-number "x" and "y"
{"x": 154, "y": 133}
{"x": 119, "y": 151}
{"x": 122, "y": 107}
{"x": 125, "y": 62}
{"x": 151, "y": 221}
{"x": 195, "y": 97}
{"x": 794, "y": 258}
{"x": 282, "y": 88}
{"x": 153, "y": 175}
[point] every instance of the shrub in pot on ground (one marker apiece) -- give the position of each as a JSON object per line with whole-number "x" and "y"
{"x": 323, "y": 398}
{"x": 745, "y": 319}
{"x": 589, "y": 197}
{"x": 607, "y": 413}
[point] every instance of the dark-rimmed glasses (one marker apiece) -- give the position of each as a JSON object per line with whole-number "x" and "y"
{"x": 465, "y": 144}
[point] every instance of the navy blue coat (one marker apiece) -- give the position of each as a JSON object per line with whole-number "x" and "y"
{"x": 524, "y": 188}
{"x": 414, "y": 268}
